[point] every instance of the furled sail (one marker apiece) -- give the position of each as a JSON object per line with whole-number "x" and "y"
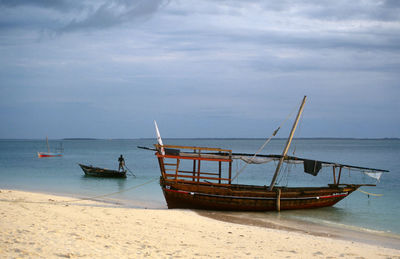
{"x": 310, "y": 166}
{"x": 254, "y": 160}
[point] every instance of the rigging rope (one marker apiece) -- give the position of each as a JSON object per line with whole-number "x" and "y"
{"x": 130, "y": 171}
{"x": 368, "y": 193}
{"x": 109, "y": 194}
{"x": 263, "y": 145}
{"x": 284, "y": 177}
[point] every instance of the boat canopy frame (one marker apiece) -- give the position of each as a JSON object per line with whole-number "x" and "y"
{"x": 198, "y": 154}
{"x": 170, "y": 162}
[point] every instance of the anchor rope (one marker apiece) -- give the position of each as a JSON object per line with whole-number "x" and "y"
{"x": 368, "y": 193}
{"x": 89, "y": 198}
{"x": 130, "y": 171}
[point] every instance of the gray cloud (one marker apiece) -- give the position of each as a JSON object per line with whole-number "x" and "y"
{"x": 385, "y": 10}
{"x": 351, "y": 10}
{"x": 67, "y": 16}
{"x": 53, "y": 4}
{"x": 110, "y": 14}
{"x": 222, "y": 65}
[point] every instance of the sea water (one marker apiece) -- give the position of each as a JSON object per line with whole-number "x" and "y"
{"x": 20, "y": 168}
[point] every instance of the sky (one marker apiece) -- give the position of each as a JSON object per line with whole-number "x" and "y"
{"x": 212, "y": 68}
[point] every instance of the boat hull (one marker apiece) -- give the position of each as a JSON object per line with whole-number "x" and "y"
{"x": 251, "y": 198}
{"x": 46, "y": 154}
{"x": 102, "y": 172}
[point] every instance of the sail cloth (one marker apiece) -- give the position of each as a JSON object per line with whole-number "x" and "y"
{"x": 254, "y": 160}
{"x": 376, "y": 175}
{"x": 310, "y": 166}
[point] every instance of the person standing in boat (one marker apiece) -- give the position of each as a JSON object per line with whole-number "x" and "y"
{"x": 121, "y": 161}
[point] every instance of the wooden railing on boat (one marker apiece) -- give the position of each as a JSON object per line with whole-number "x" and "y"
{"x": 170, "y": 158}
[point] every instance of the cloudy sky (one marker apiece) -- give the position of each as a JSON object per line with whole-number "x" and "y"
{"x": 212, "y": 68}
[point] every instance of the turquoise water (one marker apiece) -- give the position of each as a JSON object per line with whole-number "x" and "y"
{"x": 20, "y": 168}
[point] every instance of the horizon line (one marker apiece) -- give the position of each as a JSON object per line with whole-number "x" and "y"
{"x": 210, "y": 138}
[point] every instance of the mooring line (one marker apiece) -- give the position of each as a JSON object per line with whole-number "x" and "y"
{"x": 109, "y": 194}
{"x": 368, "y": 193}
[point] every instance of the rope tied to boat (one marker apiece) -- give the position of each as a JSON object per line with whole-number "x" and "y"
{"x": 372, "y": 194}
{"x": 109, "y": 194}
{"x": 129, "y": 170}
{"x": 89, "y": 198}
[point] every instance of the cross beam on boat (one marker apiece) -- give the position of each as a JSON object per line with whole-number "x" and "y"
{"x": 264, "y": 158}
{"x": 293, "y": 159}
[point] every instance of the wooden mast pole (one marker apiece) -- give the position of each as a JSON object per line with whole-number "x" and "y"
{"x": 47, "y": 143}
{"x": 289, "y": 141}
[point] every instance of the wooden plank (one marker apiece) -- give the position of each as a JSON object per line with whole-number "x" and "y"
{"x": 230, "y": 171}
{"x": 161, "y": 165}
{"x": 219, "y": 169}
{"x": 278, "y": 200}
{"x": 340, "y": 173}
{"x": 194, "y": 158}
{"x": 190, "y": 172}
{"x": 177, "y": 168}
{"x": 198, "y": 169}
{"x": 334, "y": 175}
{"x": 194, "y": 169}
{"x": 183, "y": 181}
{"x": 198, "y": 177}
{"x": 194, "y": 148}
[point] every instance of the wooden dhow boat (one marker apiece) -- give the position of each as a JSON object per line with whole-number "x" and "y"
{"x": 186, "y": 184}
{"x": 102, "y": 172}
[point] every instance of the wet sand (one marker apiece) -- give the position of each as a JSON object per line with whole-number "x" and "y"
{"x": 305, "y": 227}
{"x": 37, "y": 225}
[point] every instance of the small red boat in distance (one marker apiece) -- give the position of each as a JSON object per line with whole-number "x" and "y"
{"x": 48, "y": 153}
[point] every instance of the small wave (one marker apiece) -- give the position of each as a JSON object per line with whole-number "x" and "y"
{"x": 336, "y": 225}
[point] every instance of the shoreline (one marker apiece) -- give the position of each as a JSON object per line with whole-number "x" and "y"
{"x": 345, "y": 232}
{"x": 43, "y": 225}
{"x": 383, "y": 239}
{"x": 272, "y": 221}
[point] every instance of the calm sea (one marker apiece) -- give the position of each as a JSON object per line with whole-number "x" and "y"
{"x": 21, "y": 169}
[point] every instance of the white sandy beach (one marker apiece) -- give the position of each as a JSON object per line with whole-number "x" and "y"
{"x": 36, "y": 225}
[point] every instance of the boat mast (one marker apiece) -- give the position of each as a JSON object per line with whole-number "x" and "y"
{"x": 271, "y": 186}
{"x": 47, "y": 143}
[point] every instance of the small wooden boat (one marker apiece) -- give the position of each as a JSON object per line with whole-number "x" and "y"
{"x": 186, "y": 184}
{"x": 102, "y": 172}
{"x": 48, "y": 153}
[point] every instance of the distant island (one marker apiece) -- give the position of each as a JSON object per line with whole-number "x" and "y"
{"x": 80, "y": 139}
{"x": 281, "y": 138}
